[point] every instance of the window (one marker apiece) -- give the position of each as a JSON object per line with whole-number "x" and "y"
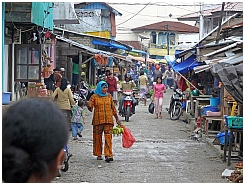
{"x": 172, "y": 39}
{"x": 28, "y": 63}
{"x": 161, "y": 38}
{"x": 153, "y": 37}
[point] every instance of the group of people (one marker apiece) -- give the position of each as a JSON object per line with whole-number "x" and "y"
{"x": 43, "y": 127}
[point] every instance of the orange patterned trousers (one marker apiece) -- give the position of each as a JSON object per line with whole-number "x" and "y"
{"x": 98, "y": 131}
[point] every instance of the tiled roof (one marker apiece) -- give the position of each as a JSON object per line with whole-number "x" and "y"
{"x": 229, "y": 6}
{"x": 172, "y": 26}
{"x": 134, "y": 44}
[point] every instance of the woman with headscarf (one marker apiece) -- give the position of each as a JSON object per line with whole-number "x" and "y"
{"x": 104, "y": 110}
{"x": 64, "y": 99}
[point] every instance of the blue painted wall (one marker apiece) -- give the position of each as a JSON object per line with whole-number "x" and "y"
{"x": 40, "y": 15}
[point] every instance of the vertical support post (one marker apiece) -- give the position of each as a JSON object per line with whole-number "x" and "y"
{"x": 90, "y": 71}
{"x": 13, "y": 73}
{"x": 80, "y": 61}
{"x": 201, "y": 22}
{"x": 167, "y": 38}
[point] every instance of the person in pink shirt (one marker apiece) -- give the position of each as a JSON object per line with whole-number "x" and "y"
{"x": 157, "y": 96}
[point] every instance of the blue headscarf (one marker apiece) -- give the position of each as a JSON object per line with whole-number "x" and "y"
{"x": 99, "y": 87}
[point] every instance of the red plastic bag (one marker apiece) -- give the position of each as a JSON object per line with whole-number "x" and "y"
{"x": 127, "y": 138}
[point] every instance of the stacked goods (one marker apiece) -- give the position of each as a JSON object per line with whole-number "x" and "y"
{"x": 32, "y": 92}
{"x": 41, "y": 90}
{"x": 237, "y": 175}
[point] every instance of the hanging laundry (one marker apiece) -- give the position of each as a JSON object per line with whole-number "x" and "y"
{"x": 47, "y": 35}
{"x": 101, "y": 59}
{"x": 110, "y": 61}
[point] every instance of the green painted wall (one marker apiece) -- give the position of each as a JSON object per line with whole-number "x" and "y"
{"x": 42, "y": 14}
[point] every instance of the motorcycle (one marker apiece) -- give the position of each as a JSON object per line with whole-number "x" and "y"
{"x": 83, "y": 93}
{"x": 127, "y": 104}
{"x": 65, "y": 164}
{"x": 175, "y": 106}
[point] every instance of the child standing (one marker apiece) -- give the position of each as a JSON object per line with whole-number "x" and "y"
{"x": 77, "y": 119}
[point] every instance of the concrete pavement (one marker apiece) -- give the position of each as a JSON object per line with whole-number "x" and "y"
{"x": 163, "y": 153}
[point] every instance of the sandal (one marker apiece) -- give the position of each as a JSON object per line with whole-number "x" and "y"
{"x": 99, "y": 158}
{"x": 79, "y": 134}
{"x": 108, "y": 159}
{"x": 160, "y": 116}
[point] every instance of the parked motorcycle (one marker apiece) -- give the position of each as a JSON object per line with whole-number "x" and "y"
{"x": 83, "y": 93}
{"x": 175, "y": 106}
{"x": 127, "y": 104}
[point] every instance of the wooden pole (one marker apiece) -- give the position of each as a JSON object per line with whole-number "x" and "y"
{"x": 190, "y": 83}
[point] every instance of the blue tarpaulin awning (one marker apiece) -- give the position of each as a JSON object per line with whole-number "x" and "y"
{"x": 108, "y": 44}
{"x": 184, "y": 66}
{"x": 139, "y": 51}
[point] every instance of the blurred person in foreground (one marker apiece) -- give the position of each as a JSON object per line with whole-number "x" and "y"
{"x": 34, "y": 134}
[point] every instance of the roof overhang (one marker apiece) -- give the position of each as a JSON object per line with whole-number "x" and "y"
{"x": 64, "y": 13}
{"x": 211, "y": 36}
{"x": 90, "y": 50}
{"x": 233, "y": 60}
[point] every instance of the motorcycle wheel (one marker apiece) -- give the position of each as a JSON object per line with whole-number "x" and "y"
{"x": 176, "y": 112}
{"x": 127, "y": 115}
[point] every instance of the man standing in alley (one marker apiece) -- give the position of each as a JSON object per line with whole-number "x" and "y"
{"x": 157, "y": 73}
{"x": 75, "y": 71}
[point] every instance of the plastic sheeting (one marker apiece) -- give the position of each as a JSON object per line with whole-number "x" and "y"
{"x": 184, "y": 66}
{"x": 232, "y": 78}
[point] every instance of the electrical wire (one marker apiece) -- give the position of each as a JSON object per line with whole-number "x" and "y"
{"x": 22, "y": 31}
{"x": 135, "y": 14}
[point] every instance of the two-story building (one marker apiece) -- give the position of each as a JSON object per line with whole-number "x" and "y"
{"x": 164, "y": 36}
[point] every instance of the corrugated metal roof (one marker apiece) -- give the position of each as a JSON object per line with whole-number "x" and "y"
{"x": 91, "y": 50}
{"x": 229, "y": 7}
{"x": 210, "y": 37}
{"x": 223, "y": 49}
{"x": 93, "y": 36}
{"x": 233, "y": 60}
{"x": 169, "y": 26}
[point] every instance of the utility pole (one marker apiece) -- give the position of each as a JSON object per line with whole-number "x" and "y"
{"x": 220, "y": 21}
{"x": 167, "y": 38}
{"x": 201, "y": 21}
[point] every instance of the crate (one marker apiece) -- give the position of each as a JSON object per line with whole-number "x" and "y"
{"x": 6, "y": 98}
{"x": 234, "y": 121}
